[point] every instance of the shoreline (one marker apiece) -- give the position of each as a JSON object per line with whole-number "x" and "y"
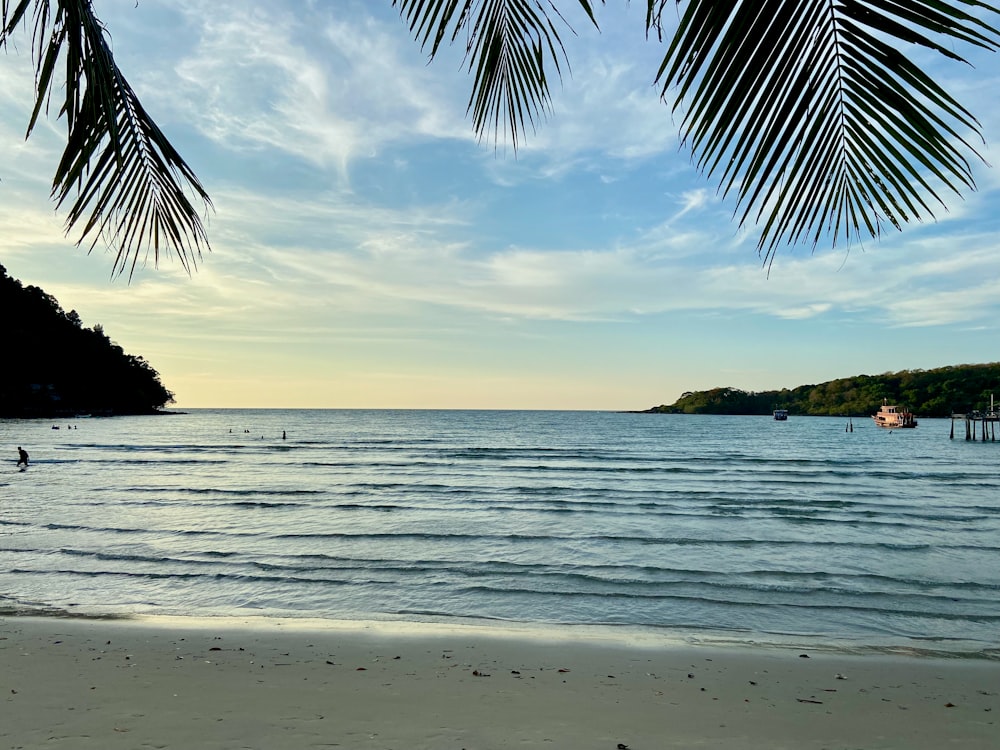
{"x": 258, "y": 683}
{"x": 629, "y": 635}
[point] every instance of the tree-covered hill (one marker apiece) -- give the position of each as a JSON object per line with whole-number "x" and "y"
{"x": 930, "y": 393}
{"x": 53, "y": 366}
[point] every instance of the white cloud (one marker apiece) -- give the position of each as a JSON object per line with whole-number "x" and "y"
{"x": 323, "y": 86}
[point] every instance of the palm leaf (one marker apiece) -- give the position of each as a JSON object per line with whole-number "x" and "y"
{"x": 808, "y": 113}
{"x": 509, "y": 45}
{"x": 124, "y": 181}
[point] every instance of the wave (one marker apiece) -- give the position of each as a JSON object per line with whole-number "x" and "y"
{"x": 701, "y": 523}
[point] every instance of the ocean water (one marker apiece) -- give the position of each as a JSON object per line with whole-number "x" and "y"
{"x": 706, "y": 528}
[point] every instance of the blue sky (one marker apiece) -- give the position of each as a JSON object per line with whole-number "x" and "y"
{"x": 368, "y": 251}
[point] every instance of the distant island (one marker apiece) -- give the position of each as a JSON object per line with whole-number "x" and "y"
{"x": 53, "y": 366}
{"x": 940, "y": 392}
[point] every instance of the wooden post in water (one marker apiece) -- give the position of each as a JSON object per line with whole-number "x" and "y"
{"x": 967, "y": 435}
{"x": 951, "y": 435}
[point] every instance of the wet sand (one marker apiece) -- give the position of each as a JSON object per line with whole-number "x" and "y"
{"x": 80, "y": 684}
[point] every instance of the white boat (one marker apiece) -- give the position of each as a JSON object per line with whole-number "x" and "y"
{"x": 893, "y": 417}
{"x": 781, "y": 414}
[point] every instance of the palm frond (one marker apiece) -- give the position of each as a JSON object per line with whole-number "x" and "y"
{"x": 125, "y": 182}
{"x": 810, "y": 115}
{"x": 509, "y": 45}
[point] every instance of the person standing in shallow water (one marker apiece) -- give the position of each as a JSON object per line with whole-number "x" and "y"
{"x": 22, "y": 456}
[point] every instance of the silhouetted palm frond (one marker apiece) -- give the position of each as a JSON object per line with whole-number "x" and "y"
{"x": 808, "y": 112}
{"x": 507, "y": 45}
{"x": 126, "y": 183}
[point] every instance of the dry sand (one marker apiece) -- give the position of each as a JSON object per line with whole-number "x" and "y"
{"x": 82, "y": 684}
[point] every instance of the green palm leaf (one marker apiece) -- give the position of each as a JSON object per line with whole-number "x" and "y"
{"x": 808, "y": 113}
{"x": 508, "y": 46}
{"x": 125, "y": 183}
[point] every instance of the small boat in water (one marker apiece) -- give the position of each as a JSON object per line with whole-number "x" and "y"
{"x": 781, "y": 415}
{"x": 893, "y": 417}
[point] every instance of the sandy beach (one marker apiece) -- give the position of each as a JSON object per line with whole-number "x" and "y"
{"x": 76, "y": 683}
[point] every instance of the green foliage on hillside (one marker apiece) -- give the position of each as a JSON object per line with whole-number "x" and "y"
{"x": 928, "y": 393}
{"x": 53, "y": 366}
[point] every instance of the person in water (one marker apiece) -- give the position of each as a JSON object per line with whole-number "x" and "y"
{"x": 22, "y": 456}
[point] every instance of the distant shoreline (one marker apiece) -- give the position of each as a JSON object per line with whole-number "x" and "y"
{"x": 91, "y": 415}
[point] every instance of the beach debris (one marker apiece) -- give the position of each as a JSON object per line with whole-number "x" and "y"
{"x": 839, "y": 676}
{"x": 752, "y": 682}
{"x": 477, "y": 673}
{"x": 808, "y": 700}
{"x": 803, "y": 656}
{"x": 949, "y": 705}
{"x": 563, "y": 670}
{"x": 514, "y": 671}
{"x": 622, "y": 746}
{"x": 361, "y": 669}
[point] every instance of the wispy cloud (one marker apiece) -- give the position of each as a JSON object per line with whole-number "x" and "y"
{"x": 324, "y": 86}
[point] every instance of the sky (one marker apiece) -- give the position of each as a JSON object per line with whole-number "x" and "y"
{"x": 369, "y": 251}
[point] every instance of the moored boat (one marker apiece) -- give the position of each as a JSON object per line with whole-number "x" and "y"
{"x": 781, "y": 414}
{"x": 893, "y": 417}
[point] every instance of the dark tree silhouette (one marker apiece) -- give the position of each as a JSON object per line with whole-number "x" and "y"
{"x": 53, "y": 365}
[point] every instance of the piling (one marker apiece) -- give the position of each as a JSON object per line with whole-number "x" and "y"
{"x": 979, "y": 425}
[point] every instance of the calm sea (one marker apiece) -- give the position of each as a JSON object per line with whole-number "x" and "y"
{"x": 705, "y": 528}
